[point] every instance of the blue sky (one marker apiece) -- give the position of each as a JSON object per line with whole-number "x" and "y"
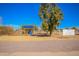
{"x": 27, "y": 14}
{"x": 71, "y": 14}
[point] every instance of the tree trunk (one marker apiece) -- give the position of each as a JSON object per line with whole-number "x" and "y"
{"x": 50, "y": 32}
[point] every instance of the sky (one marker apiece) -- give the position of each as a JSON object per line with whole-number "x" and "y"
{"x": 27, "y": 14}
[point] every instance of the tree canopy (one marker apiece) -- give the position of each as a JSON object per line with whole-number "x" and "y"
{"x": 51, "y": 15}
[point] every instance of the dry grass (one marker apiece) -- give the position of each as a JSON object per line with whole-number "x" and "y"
{"x": 23, "y": 38}
{"x": 36, "y": 38}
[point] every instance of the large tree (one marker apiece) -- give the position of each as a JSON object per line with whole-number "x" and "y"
{"x": 44, "y": 26}
{"x": 51, "y": 15}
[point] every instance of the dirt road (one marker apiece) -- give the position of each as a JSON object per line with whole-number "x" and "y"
{"x": 49, "y": 47}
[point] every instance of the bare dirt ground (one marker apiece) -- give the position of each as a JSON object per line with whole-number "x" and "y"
{"x": 49, "y": 47}
{"x": 34, "y": 45}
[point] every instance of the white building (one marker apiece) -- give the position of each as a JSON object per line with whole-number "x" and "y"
{"x": 67, "y": 32}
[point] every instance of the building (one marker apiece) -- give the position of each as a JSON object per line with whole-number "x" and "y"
{"x": 28, "y": 29}
{"x": 68, "y": 32}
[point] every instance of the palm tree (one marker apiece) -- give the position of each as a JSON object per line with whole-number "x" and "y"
{"x": 51, "y": 14}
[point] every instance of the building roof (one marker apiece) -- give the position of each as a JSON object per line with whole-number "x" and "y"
{"x": 28, "y": 26}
